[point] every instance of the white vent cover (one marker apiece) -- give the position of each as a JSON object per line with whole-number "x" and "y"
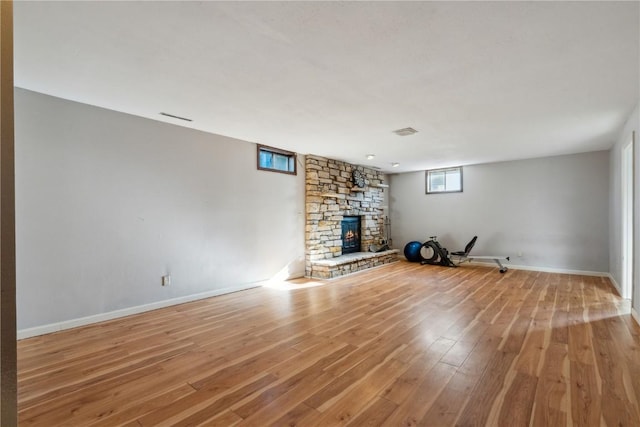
{"x": 405, "y": 131}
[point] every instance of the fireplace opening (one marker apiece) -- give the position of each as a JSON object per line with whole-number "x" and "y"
{"x": 350, "y": 234}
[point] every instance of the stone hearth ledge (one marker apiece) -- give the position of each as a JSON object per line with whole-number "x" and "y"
{"x": 351, "y": 263}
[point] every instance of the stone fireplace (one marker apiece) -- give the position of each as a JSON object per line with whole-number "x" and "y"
{"x": 331, "y": 198}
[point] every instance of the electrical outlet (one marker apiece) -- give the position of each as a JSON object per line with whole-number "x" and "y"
{"x": 166, "y": 280}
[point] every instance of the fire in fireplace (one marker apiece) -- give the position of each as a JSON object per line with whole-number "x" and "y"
{"x": 350, "y": 234}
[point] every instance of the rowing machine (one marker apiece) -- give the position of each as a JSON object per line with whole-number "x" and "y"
{"x": 495, "y": 259}
{"x": 432, "y": 252}
{"x": 463, "y": 256}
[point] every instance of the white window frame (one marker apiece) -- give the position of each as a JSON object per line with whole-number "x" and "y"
{"x": 430, "y": 172}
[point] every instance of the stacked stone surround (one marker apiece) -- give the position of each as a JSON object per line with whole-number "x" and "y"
{"x": 331, "y": 195}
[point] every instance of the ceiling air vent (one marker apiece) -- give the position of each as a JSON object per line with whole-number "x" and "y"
{"x": 405, "y": 131}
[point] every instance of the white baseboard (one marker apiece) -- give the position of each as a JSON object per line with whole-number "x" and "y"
{"x": 83, "y": 321}
{"x": 635, "y": 316}
{"x": 615, "y": 284}
{"x": 536, "y": 268}
{"x": 545, "y": 269}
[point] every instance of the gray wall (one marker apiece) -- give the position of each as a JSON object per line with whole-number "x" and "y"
{"x": 554, "y": 211}
{"x": 107, "y": 203}
{"x": 615, "y": 204}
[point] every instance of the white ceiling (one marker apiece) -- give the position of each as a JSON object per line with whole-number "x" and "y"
{"x": 480, "y": 81}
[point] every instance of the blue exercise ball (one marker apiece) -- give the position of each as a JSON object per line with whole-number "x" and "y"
{"x": 412, "y": 251}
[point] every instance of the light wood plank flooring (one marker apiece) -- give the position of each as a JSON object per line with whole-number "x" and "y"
{"x": 399, "y": 345}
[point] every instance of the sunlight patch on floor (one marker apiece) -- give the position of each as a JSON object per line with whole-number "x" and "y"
{"x": 282, "y": 281}
{"x": 289, "y": 285}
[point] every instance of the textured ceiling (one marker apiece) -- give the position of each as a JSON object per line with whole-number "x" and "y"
{"x": 480, "y": 81}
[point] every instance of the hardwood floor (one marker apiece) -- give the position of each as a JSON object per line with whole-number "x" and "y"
{"x": 399, "y": 345}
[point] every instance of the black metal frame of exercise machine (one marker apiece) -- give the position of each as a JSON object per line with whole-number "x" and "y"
{"x": 438, "y": 255}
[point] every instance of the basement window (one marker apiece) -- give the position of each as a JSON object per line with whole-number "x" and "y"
{"x": 276, "y": 160}
{"x": 447, "y": 180}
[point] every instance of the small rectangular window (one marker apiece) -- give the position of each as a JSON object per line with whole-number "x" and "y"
{"x": 276, "y": 160}
{"x": 444, "y": 180}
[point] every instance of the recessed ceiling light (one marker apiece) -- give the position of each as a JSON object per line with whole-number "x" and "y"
{"x": 370, "y": 156}
{"x": 176, "y": 117}
{"x": 395, "y": 165}
{"x": 405, "y": 131}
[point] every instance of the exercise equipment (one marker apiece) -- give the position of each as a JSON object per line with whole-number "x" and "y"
{"x": 412, "y": 251}
{"x": 432, "y": 252}
{"x": 429, "y": 252}
{"x": 435, "y": 254}
{"x": 463, "y": 256}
